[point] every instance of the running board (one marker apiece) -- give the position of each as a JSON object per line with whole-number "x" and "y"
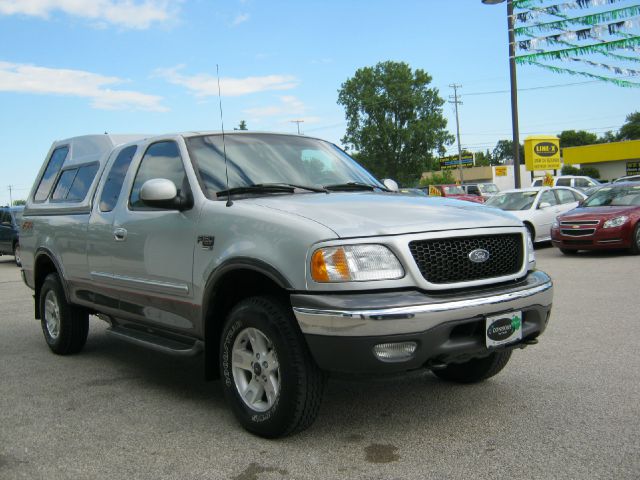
{"x": 170, "y": 346}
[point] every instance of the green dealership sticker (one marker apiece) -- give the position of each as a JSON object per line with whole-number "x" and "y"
{"x": 516, "y": 322}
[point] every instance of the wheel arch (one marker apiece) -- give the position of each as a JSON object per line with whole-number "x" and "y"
{"x": 230, "y": 283}
{"x": 44, "y": 264}
{"x": 531, "y": 229}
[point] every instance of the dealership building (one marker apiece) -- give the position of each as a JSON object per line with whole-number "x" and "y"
{"x": 612, "y": 160}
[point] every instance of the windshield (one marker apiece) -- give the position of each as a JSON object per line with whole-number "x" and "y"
{"x": 614, "y": 197}
{"x": 264, "y": 159}
{"x": 512, "y": 200}
{"x": 488, "y": 188}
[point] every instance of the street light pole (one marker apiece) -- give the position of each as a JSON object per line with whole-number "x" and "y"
{"x": 514, "y": 87}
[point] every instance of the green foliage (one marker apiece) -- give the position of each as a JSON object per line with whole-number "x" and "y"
{"x": 631, "y": 129}
{"x": 585, "y": 171}
{"x": 569, "y": 170}
{"x": 17, "y": 203}
{"x": 573, "y": 138}
{"x": 394, "y": 120}
{"x": 443, "y": 177}
{"x": 483, "y": 159}
{"x": 242, "y": 125}
{"x": 608, "y": 137}
{"x": 503, "y": 153}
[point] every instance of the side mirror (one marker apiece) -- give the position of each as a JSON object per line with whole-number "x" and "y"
{"x": 543, "y": 205}
{"x": 390, "y": 184}
{"x": 162, "y": 193}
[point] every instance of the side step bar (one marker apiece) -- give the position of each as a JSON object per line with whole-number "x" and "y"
{"x": 158, "y": 343}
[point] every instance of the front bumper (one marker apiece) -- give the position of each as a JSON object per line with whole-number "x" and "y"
{"x": 341, "y": 330}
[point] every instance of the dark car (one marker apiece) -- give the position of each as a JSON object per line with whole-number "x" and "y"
{"x": 608, "y": 219}
{"x": 9, "y": 238}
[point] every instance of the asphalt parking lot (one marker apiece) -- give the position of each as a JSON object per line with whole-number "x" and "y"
{"x": 566, "y": 408}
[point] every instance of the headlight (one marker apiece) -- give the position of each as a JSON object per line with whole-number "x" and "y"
{"x": 531, "y": 258}
{"x": 355, "y": 263}
{"x": 615, "y": 222}
{"x": 555, "y": 224}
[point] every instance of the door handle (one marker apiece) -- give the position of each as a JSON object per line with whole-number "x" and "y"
{"x": 120, "y": 234}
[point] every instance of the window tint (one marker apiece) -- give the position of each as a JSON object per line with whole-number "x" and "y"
{"x": 113, "y": 184}
{"x": 82, "y": 182}
{"x": 565, "y": 196}
{"x": 5, "y": 217}
{"x": 577, "y": 196}
{"x": 74, "y": 183}
{"x": 161, "y": 160}
{"x": 64, "y": 183}
{"x": 548, "y": 197}
{"x": 54, "y": 166}
{"x": 564, "y": 182}
{"x": 537, "y": 183}
{"x": 582, "y": 182}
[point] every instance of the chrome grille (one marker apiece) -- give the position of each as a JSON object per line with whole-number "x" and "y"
{"x": 580, "y": 222}
{"x": 447, "y": 260}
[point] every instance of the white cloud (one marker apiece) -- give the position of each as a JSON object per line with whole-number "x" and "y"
{"x": 243, "y": 17}
{"x": 138, "y": 14}
{"x": 289, "y": 105}
{"x": 22, "y": 78}
{"x": 203, "y": 84}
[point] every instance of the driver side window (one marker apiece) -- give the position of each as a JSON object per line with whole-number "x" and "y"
{"x": 161, "y": 160}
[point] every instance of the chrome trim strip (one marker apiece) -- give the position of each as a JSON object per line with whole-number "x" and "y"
{"x": 140, "y": 283}
{"x": 581, "y": 222}
{"x": 416, "y": 318}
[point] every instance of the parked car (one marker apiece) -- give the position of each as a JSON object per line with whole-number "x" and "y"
{"x": 630, "y": 178}
{"x": 452, "y": 191}
{"x": 537, "y": 207}
{"x": 485, "y": 190}
{"x": 413, "y": 191}
{"x": 276, "y": 278}
{"x": 574, "y": 181}
{"x": 9, "y": 232}
{"x": 608, "y": 219}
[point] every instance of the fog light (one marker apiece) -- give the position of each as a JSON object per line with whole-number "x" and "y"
{"x": 395, "y": 352}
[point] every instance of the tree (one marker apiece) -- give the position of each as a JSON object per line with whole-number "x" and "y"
{"x": 242, "y": 126}
{"x": 394, "y": 120}
{"x": 503, "y": 153}
{"x": 17, "y": 203}
{"x": 444, "y": 177}
{"x": 483, "y": 159}
{"x": 608, "y": 137}
{"x": 573, "y": 138}
{"x": 631, "y": 129}
{"x": 569, "y": 170}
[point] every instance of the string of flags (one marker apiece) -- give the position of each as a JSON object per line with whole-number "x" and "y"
{"x": 552, "y": 31}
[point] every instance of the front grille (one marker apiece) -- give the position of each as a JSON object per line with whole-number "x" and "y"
{"x": 580, "y": 222}
{"x": 583, "y": 232}
{"x": 447, "y": 260}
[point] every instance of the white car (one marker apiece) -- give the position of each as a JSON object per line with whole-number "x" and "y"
{"x": 537, "y": 207}
{"x": 578, "y": 182}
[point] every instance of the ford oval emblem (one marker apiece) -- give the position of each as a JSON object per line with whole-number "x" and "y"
{"x": 479, "y": 255}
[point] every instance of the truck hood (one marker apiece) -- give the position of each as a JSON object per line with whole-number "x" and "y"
{"x": 365, "y": 214}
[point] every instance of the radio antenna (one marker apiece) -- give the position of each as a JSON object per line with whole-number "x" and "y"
{"x": 224, "y": 148}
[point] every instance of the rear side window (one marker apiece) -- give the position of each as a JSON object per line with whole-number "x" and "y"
{"x": 564, "y": 182}
{"x": 74, "y": 183}
{"x": 548, "y": 197}
{"x": 113, "y": 184}
{"x": 583, "y": 183}
{"x": 46, "y": 182}
{"x": 161, "y": 160}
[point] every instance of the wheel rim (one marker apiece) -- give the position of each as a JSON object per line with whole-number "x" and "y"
{"x": 52, "y": 314}
{"x": 255, "y": 369}
{"x": 16, "y": 254}
{"x": 638, "y": 238}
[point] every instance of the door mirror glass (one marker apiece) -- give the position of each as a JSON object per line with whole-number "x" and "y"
{"x": 390, "y": 184}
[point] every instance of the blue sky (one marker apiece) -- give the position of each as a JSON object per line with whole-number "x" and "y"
{"x": 73, "y": 67}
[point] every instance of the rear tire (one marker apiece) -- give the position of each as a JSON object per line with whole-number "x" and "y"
{"x": 269, "y": 378}
{"x": 65, "y": 326}
{"x": 475, "y": 370}
{"x": 16, "y": 254}
{"x": 569, "y": 251}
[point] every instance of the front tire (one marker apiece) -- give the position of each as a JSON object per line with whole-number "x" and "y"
{"x": 269, "y": 379}
{"x": 476, "y": 369}
{"x": 16, "y": 254}
{"x": 635, "y": 240}
{"x": 65, "y": 326}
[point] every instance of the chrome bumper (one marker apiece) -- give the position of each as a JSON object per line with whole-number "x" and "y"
{"x": 535, "y": 292}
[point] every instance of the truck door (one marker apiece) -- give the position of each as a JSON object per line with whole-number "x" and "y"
{"x": 152, "y": 248}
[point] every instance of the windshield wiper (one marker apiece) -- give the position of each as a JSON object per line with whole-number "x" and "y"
{"x": 352, "y": 186}
{"x": 269, "y": 188}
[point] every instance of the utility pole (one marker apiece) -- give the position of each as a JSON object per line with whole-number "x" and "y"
{"x": 10, "y": 196}
{"x": 457, "y": 102}
{"x": 298, "y": 122}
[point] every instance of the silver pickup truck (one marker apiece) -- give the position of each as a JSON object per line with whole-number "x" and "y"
{"x": 280, "y": 259}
